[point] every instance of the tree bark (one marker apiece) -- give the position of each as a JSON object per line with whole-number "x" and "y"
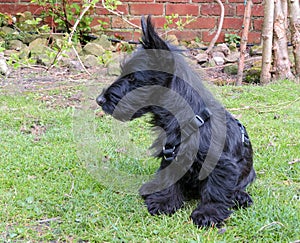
{"x": 294, "y": 11}
{"x": 267, "y": 38}
{"x": 244, "y": 40}
{"x": 282, "y": 63}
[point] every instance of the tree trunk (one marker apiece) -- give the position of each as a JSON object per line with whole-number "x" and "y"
{"x": 244, "y": 40}
{"x": 282, "y": 63}
{"x": 294, "y": 11}
{"x": 267, "y": 38}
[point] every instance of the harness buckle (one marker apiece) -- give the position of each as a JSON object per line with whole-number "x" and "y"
{"x": 169, "y": 154}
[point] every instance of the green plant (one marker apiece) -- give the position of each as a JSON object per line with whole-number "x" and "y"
{"x": 16, "y": 62}
{"x": 106, "y": 58}
{"x": 176, "y": 21}
{"x": 64, "y": 14}
{"x": 112, "y": 4}
{"x": 35, "y": 25}
{"x": 232, "y": 39}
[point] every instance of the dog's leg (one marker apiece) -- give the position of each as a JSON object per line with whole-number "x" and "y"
{"x": 242, "y": 199}
{"x": 217, "y": 196}
{"x": 167, "y": 201}
{"x": 210, "y": 214}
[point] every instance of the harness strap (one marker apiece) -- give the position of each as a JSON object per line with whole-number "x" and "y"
{"x": 245, "y": 137}
{"x": 186, "y": 131}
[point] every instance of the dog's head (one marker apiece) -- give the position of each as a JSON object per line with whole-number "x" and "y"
{"x": 138, "y": 87}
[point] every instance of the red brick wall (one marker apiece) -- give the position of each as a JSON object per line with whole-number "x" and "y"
{"x": 205, "y": 12}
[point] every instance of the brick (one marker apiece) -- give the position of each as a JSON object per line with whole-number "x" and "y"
{"x": 159, "y": 21}
{"x": 125, "y": 35}
{"x": 35, "y": 9}
{"x": 182, "y": 9}
{"x": 173, "y": 1}
{"x": 254, "y": 37}
{"x": 119, "y": 23}
{"x": 215, "y": 10}
{"x": 233, "y": 23}
{"x": 148, "y": 1}
{"x": 258, "y": 24}
{"x": 210, "y": 9}
{"x": 13, "y": 8}
{"x": 186, "y": 35}
{"x": 206, "y": 1}
{"x": 11, "y": 1}
{"x": 257, "y": 10}
{"x": 136, "y": 21}
{"x": 207, "y": 37}
{"x": 137, "y": 35}
{"x": 103, "y": 19}
{"x": 100, "y": 10}
{"x": 146, "y": 8}
{"x": 202, "y": 23}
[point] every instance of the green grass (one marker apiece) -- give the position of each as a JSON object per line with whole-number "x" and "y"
{"x": 52, "y": 190}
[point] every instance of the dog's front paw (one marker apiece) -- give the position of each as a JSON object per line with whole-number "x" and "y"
{"x": 161, "y": 205}
{"x": 210, "y": 215}
{"x": 242, "y": 199}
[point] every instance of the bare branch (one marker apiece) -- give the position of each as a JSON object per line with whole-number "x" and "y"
{"x": 120, "y": 14}
{"x": 246, "y": 25}
{"x": 213, "y": 41}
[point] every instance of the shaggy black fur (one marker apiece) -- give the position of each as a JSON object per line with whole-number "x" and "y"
{"x": 156, "y": 79}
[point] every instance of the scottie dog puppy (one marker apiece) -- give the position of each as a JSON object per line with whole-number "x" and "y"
{"x": 205, "y": 152}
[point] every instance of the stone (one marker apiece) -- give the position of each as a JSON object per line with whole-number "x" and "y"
{"x": 113, "y": 69}
{"x": 93, "y": 49}
{"x": 8, "y": 31}
{"x": 24, "y": 52}
{"x": 104, "y": 42}
{"x": 219, "y": 60}
{"x": 15, "y": 45}
{"x": 90, "y": 61}
{"x": 232, "y": 57}
{"x": 202, "y": 58}
{"x": 39, "y": 50}
{"x": 3, "y": 66}
{"x": 222, "y": 48}
{"x": 173, "y": 40}
{"x": 38, "y": 46}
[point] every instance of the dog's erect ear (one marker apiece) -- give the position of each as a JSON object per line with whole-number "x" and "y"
{"x": 150, "y": 39}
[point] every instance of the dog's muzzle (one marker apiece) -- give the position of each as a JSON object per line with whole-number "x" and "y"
{"x": 100, "y": 100}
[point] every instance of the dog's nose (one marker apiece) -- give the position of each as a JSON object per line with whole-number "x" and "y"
{"x": 100, "y": 100}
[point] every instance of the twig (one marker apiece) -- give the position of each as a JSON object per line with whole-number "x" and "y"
{"x": 213, "y": 41}
{"x": 47, "y": 220}
{"x": 280, "y": 106}
{"x": 72, "y": 33}
{"x": 183, "y": 25}
{"x": 246, "y": 25}
{"x": 294, "y": 161}
{"x": 271, "y": 224}
{"x": 120, "y": 14}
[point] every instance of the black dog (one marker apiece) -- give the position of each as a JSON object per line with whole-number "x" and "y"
{"x": 205, "y": 153}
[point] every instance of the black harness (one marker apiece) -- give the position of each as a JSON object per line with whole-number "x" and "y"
{"x": 192, "y": 126}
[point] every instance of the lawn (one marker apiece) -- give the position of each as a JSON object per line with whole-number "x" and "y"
{"x": 56, "y": 146}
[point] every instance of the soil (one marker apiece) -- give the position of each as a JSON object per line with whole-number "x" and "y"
{"x": 39, "y": 79}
